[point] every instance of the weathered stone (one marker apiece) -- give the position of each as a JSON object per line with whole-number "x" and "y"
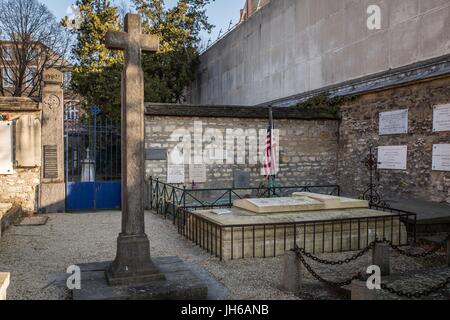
{"x": 381, "y": 256}
{"x": 361, "y": 292}
{"x": 4, "y": 284}
{"x": 292, "y": 273}
{"x": 53, "y": 188}
{"x": 132, "y": 263}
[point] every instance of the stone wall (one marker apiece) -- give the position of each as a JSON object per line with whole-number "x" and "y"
{"x": 308, "y": 147}
{"x": 359, "y": 124}
{"x": 294, "y": 46}
{"x": 22, "y": 186}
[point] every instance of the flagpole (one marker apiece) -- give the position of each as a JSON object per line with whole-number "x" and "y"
{"x": 272, "y": 159}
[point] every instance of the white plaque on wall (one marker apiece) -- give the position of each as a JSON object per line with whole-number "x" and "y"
{"x": 392, "y": 157}
{"x": 441, "y": 118}
{"x": 441, "y": 157}
{"x": 175, "y": 173}
{"x": 6, "y": 148}
{"x": 394, "y": 122}
{"x": 197, "y": 173}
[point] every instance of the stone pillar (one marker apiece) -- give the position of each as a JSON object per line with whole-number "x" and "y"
{"x": 292, "y": 275}
{"x": 359, "y": 291}
{"x": 52, "y": 190}
{"x": 381, "y": 257}
{"x": 4, "y": 284}
{"x": 448, "y": 251}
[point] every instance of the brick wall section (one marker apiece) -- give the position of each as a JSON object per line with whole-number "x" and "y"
{"x": 360, "y": 122}
{"x": 308, "y": 148}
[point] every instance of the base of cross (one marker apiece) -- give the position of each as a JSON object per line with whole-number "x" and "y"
{"x": 132, "y": 264}
{"x": 179, "y": 283}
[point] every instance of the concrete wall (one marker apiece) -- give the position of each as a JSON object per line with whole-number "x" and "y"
{"x": 360, "y": 121}
{"x": 308, "y": 149}
{"x": 294, "y": 46}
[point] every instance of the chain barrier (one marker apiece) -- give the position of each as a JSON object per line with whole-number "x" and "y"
{"x": 338, "y": 262}
{"x": 417, "y": 294}
{"x": 301, "y": 254}
{"x": 338, "y": 284}
{"x": 439, "y": 246}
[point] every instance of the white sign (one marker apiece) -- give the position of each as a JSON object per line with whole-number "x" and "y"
{"x": 6, "y": 156}
{"x": 441, "y": 157}
{"x": 175, "y": 173}
{"x": 441, "y": 118}
{"x": 197, "y": 173}
{"x": 394, "y": 122}
{"x": 392, "y": 157}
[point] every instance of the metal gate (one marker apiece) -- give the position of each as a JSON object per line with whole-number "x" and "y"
{"x": 93, "y": 164}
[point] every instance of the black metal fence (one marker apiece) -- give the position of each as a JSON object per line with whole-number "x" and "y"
{"x": 272, "y": 239}
{"x": 165, "y": 198}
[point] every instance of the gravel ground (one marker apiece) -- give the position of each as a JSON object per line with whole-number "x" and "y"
{"x": 30, "y": 253}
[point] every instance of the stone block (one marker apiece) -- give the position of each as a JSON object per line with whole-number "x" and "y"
{"x": 5, "y": 278}
{"x": 381, "y": 257}
{"x": 359, "y": 291}
{"x": 292, "y": 273}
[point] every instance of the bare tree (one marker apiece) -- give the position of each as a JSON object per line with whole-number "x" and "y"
{"x": 31, "y": 40}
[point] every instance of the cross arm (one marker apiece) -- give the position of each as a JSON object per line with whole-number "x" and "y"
{"x": 116, "y": 40}
{"x": 149, "y": 43}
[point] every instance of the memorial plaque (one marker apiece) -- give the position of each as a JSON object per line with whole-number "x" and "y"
{"x": 197, "y": 173}
{"x": 392, "y": 157}
{"x": 441, "y": 157}
{"x": 175, "y": 173}
{"x": 6, "y": 150}
{"x": 241, "y": 179}
{"x": 394, "y": 122}
{"x": 156, "y": 154}
{"x": 50, "y": 162}
{"x": 441, "y": 118}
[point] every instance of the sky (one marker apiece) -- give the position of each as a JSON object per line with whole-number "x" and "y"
{"x": 220, "y": 13}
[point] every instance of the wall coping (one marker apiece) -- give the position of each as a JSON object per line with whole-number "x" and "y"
{"x": 248, "y": 112}
{"x": 14, "y": 104}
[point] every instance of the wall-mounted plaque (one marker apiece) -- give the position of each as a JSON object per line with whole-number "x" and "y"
{"x": 197, "y": 173}
{"x": 6, "y": 149}
{"x": 394, "y": 122}
{"x": 50, "y": 162}
{"x": 441, "y": 157}
{"x": 175, "y": 173}
{"x": 441, "y": 118}
{"x": 156, "y": 154}
{"x": 241, "y": 179}
{"x": 392, "y": 157}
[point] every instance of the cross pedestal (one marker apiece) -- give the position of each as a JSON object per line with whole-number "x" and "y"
{"x": 132, "y": 263}
{"x": 133, "y": 275}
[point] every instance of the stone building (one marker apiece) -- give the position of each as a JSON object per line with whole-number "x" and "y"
{"x": 390, "y": 55}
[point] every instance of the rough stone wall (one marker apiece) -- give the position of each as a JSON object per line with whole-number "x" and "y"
{"x": 308, "y": 149}
{"x": 294, "y": 46}
{"x": 360, "y": 121}
{"x": 22, "y": 186}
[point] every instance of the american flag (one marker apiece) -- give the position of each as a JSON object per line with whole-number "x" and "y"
{"x": 269, "y": 163}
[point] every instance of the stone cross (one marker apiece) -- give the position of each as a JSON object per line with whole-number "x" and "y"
{"x": 132, "y": 263}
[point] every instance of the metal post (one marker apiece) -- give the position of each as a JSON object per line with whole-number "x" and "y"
{"x": 151, "y": 193}
{"x": 381, "y": 258}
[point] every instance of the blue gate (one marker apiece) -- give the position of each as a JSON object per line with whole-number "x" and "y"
{"x": 93, "y": 163}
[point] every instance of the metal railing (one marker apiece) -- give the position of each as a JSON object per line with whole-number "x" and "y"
{"x": 166, "y": 198}
{"x": 243, "y": 240}
{"x": 272, "y": 239}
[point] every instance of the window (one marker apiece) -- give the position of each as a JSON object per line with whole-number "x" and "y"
{"x": 7, "y": 77}
{"x": 67, "y": 79}
{"x": 7, "y": 53}
{"x": 30, "y": 76}
{"x": 72, "y": 113}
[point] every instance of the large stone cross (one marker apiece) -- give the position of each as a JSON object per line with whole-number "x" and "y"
{"x": 132, "y": 263}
